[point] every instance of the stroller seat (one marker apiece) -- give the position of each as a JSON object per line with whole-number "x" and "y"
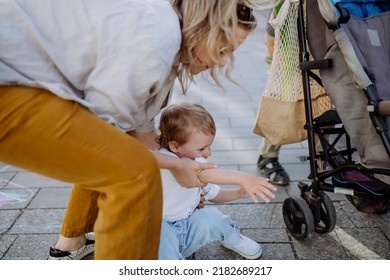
{"x": 328, "y": 118}
{"x": 368, "y": 194}
{"x": 355, "y": 179}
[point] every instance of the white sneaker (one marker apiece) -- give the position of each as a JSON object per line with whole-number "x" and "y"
{"x": 247, "y": 248}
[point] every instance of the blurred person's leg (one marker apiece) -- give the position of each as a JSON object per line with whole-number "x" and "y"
{"x": 268, "y": 164}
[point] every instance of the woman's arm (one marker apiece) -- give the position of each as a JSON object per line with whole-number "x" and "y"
{"x": 253, "y": 185}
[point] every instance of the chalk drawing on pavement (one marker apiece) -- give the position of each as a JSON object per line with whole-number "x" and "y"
{"x": 12, "y": 193}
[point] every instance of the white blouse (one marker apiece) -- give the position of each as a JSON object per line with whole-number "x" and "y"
{"x": 114, "y": 57}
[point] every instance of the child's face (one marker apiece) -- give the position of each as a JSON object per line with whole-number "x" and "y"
{"x": 199, "y": 145}
{"x": 205, "y": 59}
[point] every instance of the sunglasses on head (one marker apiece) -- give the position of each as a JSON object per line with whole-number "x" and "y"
{"x": 244, "y": 13}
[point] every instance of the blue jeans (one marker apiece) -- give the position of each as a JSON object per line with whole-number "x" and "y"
{"x": 180, "y": 239}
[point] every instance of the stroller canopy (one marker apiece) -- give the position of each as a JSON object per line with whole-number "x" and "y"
{"x": 358, "y": 8}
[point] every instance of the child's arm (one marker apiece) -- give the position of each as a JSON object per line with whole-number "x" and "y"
{"x": 225, "y": 195}
{"x": 253, "y": 185}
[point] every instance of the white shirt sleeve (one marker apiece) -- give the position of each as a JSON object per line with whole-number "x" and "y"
{"x": 210, "y": 191}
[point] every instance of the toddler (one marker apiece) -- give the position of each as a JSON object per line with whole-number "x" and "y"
{"x": 188, "y": 130}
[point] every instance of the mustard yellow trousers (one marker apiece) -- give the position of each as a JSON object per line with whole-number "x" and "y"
{"x": 117, "y": 192}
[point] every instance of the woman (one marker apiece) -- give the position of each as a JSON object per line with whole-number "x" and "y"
{"x": 78, "y": 78}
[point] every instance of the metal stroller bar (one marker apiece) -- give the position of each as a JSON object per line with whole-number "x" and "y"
{"x": 311, "y": 197}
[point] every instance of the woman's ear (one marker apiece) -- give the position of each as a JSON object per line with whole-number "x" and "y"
{"x": 173, "y": 146}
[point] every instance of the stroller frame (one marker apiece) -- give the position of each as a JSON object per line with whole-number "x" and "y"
{"x": 313, "y": 210}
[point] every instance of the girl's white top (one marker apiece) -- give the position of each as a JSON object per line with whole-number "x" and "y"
{"x": 180, "y": 202}
{"x": 113, "y": 57}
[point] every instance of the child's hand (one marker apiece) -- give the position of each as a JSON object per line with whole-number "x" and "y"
{"x": 257, "y": 186}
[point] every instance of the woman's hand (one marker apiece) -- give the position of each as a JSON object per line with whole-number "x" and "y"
{"x": 186, "y": 172}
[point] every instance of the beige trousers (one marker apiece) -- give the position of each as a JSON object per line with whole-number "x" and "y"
{"x": 267, "y": 150}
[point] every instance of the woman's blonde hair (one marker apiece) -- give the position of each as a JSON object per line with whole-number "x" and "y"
{"x": 216, "y": 21}
{"x": 178, "y": 121}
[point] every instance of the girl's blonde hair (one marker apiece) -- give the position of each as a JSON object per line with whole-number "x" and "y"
{"x": 216, "y": 21}
{"x": 178, "y": 121}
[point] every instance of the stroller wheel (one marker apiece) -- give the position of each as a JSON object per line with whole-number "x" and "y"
{"x": 298, "y": 218}
{"x": 328, "y": 215}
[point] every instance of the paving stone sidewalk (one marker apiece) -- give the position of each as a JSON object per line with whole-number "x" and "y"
{"x": 32, "y": 206}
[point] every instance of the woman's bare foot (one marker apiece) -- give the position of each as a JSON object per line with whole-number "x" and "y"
{"x": 70, "y": 244}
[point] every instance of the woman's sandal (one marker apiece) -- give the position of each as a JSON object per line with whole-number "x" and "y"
{"x": 271, "y": 168}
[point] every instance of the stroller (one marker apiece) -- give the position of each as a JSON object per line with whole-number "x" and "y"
{"x": 351, "y": 52}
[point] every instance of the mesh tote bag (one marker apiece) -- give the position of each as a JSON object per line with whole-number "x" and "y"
{"x": 281, "y": 114}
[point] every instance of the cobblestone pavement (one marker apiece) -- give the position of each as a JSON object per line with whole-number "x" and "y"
{"x": 32, "y": 206}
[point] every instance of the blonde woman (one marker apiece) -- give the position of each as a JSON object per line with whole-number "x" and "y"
{"x": 79, "y": 78}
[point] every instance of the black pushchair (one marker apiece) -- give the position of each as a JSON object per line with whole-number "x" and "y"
{"x": 352, "y": 56}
